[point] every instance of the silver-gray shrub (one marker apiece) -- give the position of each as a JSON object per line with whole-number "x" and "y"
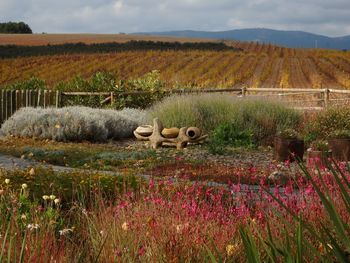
{"x": 74, "y": 123}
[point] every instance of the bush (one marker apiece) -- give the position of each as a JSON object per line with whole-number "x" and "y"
{"x": 288, "y": 134}
{"x": 149, "y": 88}
{"x": 340, "y": 134}
{"x": 29, "y": 84}
{"x": 230, "y": 134}
{"x": 73, "y": 123}
{"x": 322, "y": 125}
{"x": 150, "y": 84}
{"x": 262, "y": 118}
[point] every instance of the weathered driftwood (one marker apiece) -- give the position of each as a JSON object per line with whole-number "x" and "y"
{"x": 156, "y": 139}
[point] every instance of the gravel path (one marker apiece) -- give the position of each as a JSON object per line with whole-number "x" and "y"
{"x": 13, "y": 163}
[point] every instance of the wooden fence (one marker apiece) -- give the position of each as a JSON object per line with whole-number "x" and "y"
{"x": 12, "y": 100}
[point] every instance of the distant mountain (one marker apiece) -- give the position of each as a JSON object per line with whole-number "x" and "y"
{"x": 294, "y": 39}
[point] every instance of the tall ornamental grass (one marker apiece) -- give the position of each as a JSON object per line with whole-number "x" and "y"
{"x": 73, "y": 123}
{"x": 324, "y": 239}
{"x": 262, "y": 117}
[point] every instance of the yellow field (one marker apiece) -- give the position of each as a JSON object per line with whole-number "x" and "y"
{"x": 256, "y": 66}
{"x": 55, "y": 39}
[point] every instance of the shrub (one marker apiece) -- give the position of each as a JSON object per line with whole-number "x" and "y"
{"x": 340, "y": 134}
{"x": 207, "y": 111}
{"x": 32, "y": 83}
{"x": 230, "y": 134}
{"x": 323, "y": 124}
{"x": 150, "y": 87}
{"x": 289, "y": 134}
{"x": 73, "y": 123}
{"x": 150, "y": 84}
{"x": 319, "y": 145}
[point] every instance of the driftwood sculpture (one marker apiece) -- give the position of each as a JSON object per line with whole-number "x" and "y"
{"x": 185, "y": 135}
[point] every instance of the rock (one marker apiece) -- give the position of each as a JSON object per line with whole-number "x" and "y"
{"x": 278, "y": 176}
{"x": 32, "y": 172}
{"x": 144, "y": 130}
{"x": 172, "y": 132}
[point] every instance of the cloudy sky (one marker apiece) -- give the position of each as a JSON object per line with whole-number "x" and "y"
{"x": 328, "y": 17}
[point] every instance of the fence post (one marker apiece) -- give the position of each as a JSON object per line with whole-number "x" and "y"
{"x": 244, "y": 91}
{"x": 8, "y": 104}
{"x": 13, "y": 102}
{"x": 39, "y": 98}
{"x": 58, "y": 98}
{"x": 18, "y": 99}
{"x": 326, "y": 97}
{"x": 112, "y": 98}
{"x": 2, "y": 100}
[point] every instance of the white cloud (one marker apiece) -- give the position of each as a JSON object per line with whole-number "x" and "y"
{"x": 118, "y": 6}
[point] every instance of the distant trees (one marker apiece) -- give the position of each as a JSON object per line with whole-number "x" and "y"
{"x": 15, "y": 28}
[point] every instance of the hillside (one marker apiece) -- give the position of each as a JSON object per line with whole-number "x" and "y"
{"x": 256, "y": 65}
{"x": 292, "y": 39}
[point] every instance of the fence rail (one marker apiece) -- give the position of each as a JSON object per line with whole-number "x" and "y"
{"x": 12, "y": 100}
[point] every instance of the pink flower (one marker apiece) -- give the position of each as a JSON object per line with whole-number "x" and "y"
{"x": 236, "y": 188}
{"x": 287, "y": 163}
{"x": 260, "y": 216}
{"x": 288, "y": 189}
{"x": 178, "y": 158}
{"x": 309, "y": 190}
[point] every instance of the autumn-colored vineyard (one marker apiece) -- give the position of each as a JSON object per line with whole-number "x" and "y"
{"x": 256, "y": 66}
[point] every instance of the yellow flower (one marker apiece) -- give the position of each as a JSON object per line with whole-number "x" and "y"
{"x": 7, "y": 181}
{"x": 52, "y": 197}
{"x": 24, "y": 186}
{"x": 125, "y": 226}
{"x": 56, "y": 201}
{"x": 45, "y": 197}
{"x": 231, "y": 249}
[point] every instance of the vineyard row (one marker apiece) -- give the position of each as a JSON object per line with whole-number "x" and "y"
{"x": 269, "y": 66}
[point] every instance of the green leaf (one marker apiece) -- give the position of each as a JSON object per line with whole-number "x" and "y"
{"x": 211, "y": 256}
{"x": 251, "y": 251}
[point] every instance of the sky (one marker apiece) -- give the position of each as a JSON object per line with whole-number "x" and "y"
{"x": 326, "y": 17}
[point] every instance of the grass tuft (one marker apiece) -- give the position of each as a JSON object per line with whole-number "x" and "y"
{"x": 208, "y": 111}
